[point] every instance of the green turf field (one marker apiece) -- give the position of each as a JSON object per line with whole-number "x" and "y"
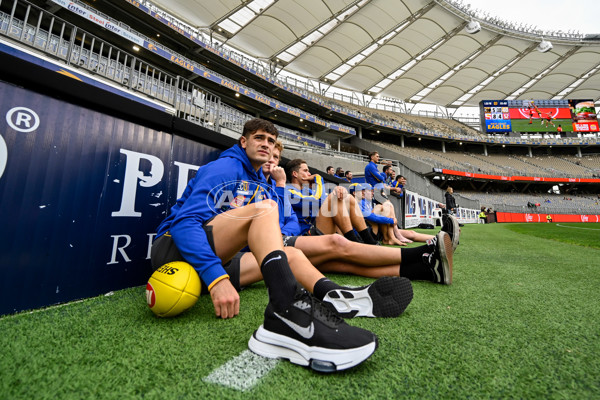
{"x": 523, "y": 125}
{"x": 522, "y": 320}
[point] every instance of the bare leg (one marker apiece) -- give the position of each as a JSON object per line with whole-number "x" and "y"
{"x": 387, "y": 209}
{"x": 320, "y": 249}
{"x": 400, "y": 236}
{"x": 356, "y": 216}
{"x": 333, "y": 214}
{"x": 400, "y": 233}
{"x": 256, "y": 224}
{"x": 344, "y": 214}
{"x": 369, "y": 272}
{"x": 415, "y": 236}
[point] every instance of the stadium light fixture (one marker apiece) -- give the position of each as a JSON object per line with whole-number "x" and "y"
{"x": 473, "y": 27}
{"x": 544, "y": 46}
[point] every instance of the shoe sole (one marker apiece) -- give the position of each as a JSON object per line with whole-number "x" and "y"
{"x": 272, "y": 345}
{"x": 446, "y": 255}
{"x": 387, "y": 297}
{"x": 455, "y": 230}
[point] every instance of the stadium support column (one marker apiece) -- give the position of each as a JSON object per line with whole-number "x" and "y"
{"x": 402, "y": 141}
{"x": 579, "y": 151}
{"x": 443, "y": 147}
{"x": 339, "y": 144}
{"x": 485, "y": 153}
{"x": 530, "y": 153}
{"x": 360, "y": 132}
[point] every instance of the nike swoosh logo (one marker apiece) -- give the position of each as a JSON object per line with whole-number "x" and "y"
{"x": 274, "y": 258}
{"x": 305, "y": 332}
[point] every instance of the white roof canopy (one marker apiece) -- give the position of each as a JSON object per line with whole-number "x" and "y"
{"x": 417, "y": 51}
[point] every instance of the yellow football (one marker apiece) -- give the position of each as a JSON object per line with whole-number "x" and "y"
{"x": 172, "y": 289}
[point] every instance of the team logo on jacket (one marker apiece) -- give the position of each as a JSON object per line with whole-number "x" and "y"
{"x": 243, "y": 188}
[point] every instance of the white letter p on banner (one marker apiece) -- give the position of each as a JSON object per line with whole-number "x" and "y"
{"x": 132, "y": 174}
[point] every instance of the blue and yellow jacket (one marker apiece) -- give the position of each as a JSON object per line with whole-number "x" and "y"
{"x": 366, "y": 207}
{"x": 397, "y": 184}
{"x": 288, "y": 221}
{"x": 309, "y": 200}
{"x": 372, "y": 174}
{"x": 226, "y": 183}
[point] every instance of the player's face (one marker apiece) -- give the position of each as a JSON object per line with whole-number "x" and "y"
{"x": 259, "y": 146}
{"x": 303, "y": 173}
{"x": 375, "y": 158}
{"x": 273, "y": 162}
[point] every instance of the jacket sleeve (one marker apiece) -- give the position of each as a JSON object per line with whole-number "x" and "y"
{"x": 300, "y": 197}
{"x": 290, "y": 226}
{"x": 369, "y": 215}
{"x": 187, "y": 228}
{"x": 379, "y": 219}
{"x": 280, "y": 197}
{"x": 374, "y": 173}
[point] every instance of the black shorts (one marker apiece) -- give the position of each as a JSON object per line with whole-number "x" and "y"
{"x": 378, "y": 236}
{"x": 289, "y": 241}
{"x": 313, "y": 231}
{"x": 232, "y": 267}
{"x": 164, "y": 250}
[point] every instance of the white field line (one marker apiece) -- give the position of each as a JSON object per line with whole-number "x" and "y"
{"x": 577, "y": 227}
{"x": 242, "y": 372}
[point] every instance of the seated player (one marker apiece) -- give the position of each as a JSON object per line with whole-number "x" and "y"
{"x": 334, "y": 253}
{"x": 206, "y": 229}
{"x": 397, "y": 184}
{"x": 319, "y": 212}
{"x": 380, "y": 219}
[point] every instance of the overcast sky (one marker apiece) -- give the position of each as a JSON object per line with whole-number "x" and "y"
{"x": 565, "y": 15}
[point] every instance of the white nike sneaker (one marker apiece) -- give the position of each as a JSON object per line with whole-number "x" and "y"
{"x": 387, "y": 297}
{"x": 311, "y": 334}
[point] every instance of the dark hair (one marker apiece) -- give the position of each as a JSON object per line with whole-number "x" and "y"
{"x": 386, "y": 167}
{"x": 371, "y": 154}
{"x": 328, "y": 168}
{"x": 293, "y": 166}
{"x": 258, "y": 124}
{"x": 348, "y": 172}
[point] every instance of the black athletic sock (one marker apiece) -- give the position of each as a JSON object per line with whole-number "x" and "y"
{"x": 412, "y": 266}
{"x": 323, "y": 286}
{"x": 351, "y": 235}
{"x": 366, "y": 236}
{"x": 279, "y": 279}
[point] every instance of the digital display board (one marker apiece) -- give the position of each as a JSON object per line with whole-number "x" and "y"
{"x": 584, "y": 116}
{"x": 552, "y": 116}
{"x": 495, "y": 116}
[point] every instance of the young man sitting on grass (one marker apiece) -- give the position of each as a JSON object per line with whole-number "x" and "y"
{"x": 222, "y": 210}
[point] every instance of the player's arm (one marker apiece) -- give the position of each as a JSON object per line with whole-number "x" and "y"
{"x": 192, "y": 242}
{"x": 375, "y": 174}
{"x": 312, "y": 197}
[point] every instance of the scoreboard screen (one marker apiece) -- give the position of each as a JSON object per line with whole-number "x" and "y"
{"x": 553, "y": 116}
{"x": 495, "y": 116}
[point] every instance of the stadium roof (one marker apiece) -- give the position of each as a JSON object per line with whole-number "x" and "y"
{"x": 416, "y": 51}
